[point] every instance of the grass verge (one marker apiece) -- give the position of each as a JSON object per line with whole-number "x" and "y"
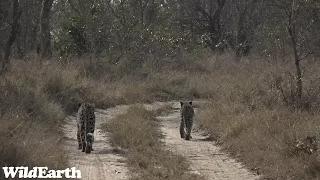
{"x": 254, "y": 119}
{"x": 265, "y": 139}
{"x": 136, "y": 131}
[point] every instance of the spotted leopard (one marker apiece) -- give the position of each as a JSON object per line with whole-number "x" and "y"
{"x": 86, "y": 125}
{"x": 187, "y": 115}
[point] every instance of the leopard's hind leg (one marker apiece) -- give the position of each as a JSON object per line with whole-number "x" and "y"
{"x": 83, "y": 139}
{"x": 79, "y": 137}
{"x": 189, "y": 128}
{"x": 182, "y": 131}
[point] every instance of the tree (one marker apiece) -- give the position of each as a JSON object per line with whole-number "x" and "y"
{"x": 205, "y": 18}
{"x": 224, "y": 24}
{"x": 45, "y": 37}
{"x": 248, "y": 17}
{"x": 15, "y": 27}
{"x": 302, "y": 21}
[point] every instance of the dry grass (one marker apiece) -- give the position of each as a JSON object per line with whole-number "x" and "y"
{"x": 29, "y": 132}
{"x": 136, "y": 131}
{"x": 164, "y": 110}
{"x": 251, "y": 118}
{"x": 252, "y": 110}
{"x": 35, "y": 99}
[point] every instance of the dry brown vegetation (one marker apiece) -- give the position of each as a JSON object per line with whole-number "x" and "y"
{"x": 254, "y": 116}
{"x": 136, "y": 131}
{"x": 36, "y": 98}
{"x": 253, "y": 112}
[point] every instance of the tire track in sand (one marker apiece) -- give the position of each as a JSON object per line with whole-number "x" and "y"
{"x": 205, "y": 158}
{"x": 103, "y": 163}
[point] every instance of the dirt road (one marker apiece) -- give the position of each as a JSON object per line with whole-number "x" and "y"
{"x": 205, "y": 158}
{"x": 103, "y": 163}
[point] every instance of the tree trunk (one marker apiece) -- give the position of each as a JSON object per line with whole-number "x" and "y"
{"x": 298, "y": 71}
{"x": 45, "y": 38}
{"x": 292, "y": 33}
{"x": 12, "y": 36}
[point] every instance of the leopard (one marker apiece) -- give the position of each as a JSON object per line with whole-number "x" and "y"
{"x": 86, "y": 124}
{"x": 187, "y": 116}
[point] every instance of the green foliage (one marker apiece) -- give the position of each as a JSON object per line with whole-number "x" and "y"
{"x": 134, "y": 30}
{"x": 75, "y": 41}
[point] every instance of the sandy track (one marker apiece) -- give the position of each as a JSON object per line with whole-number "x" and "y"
{"x": 103, "y": 163}
{"x": 205, "y": 158}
